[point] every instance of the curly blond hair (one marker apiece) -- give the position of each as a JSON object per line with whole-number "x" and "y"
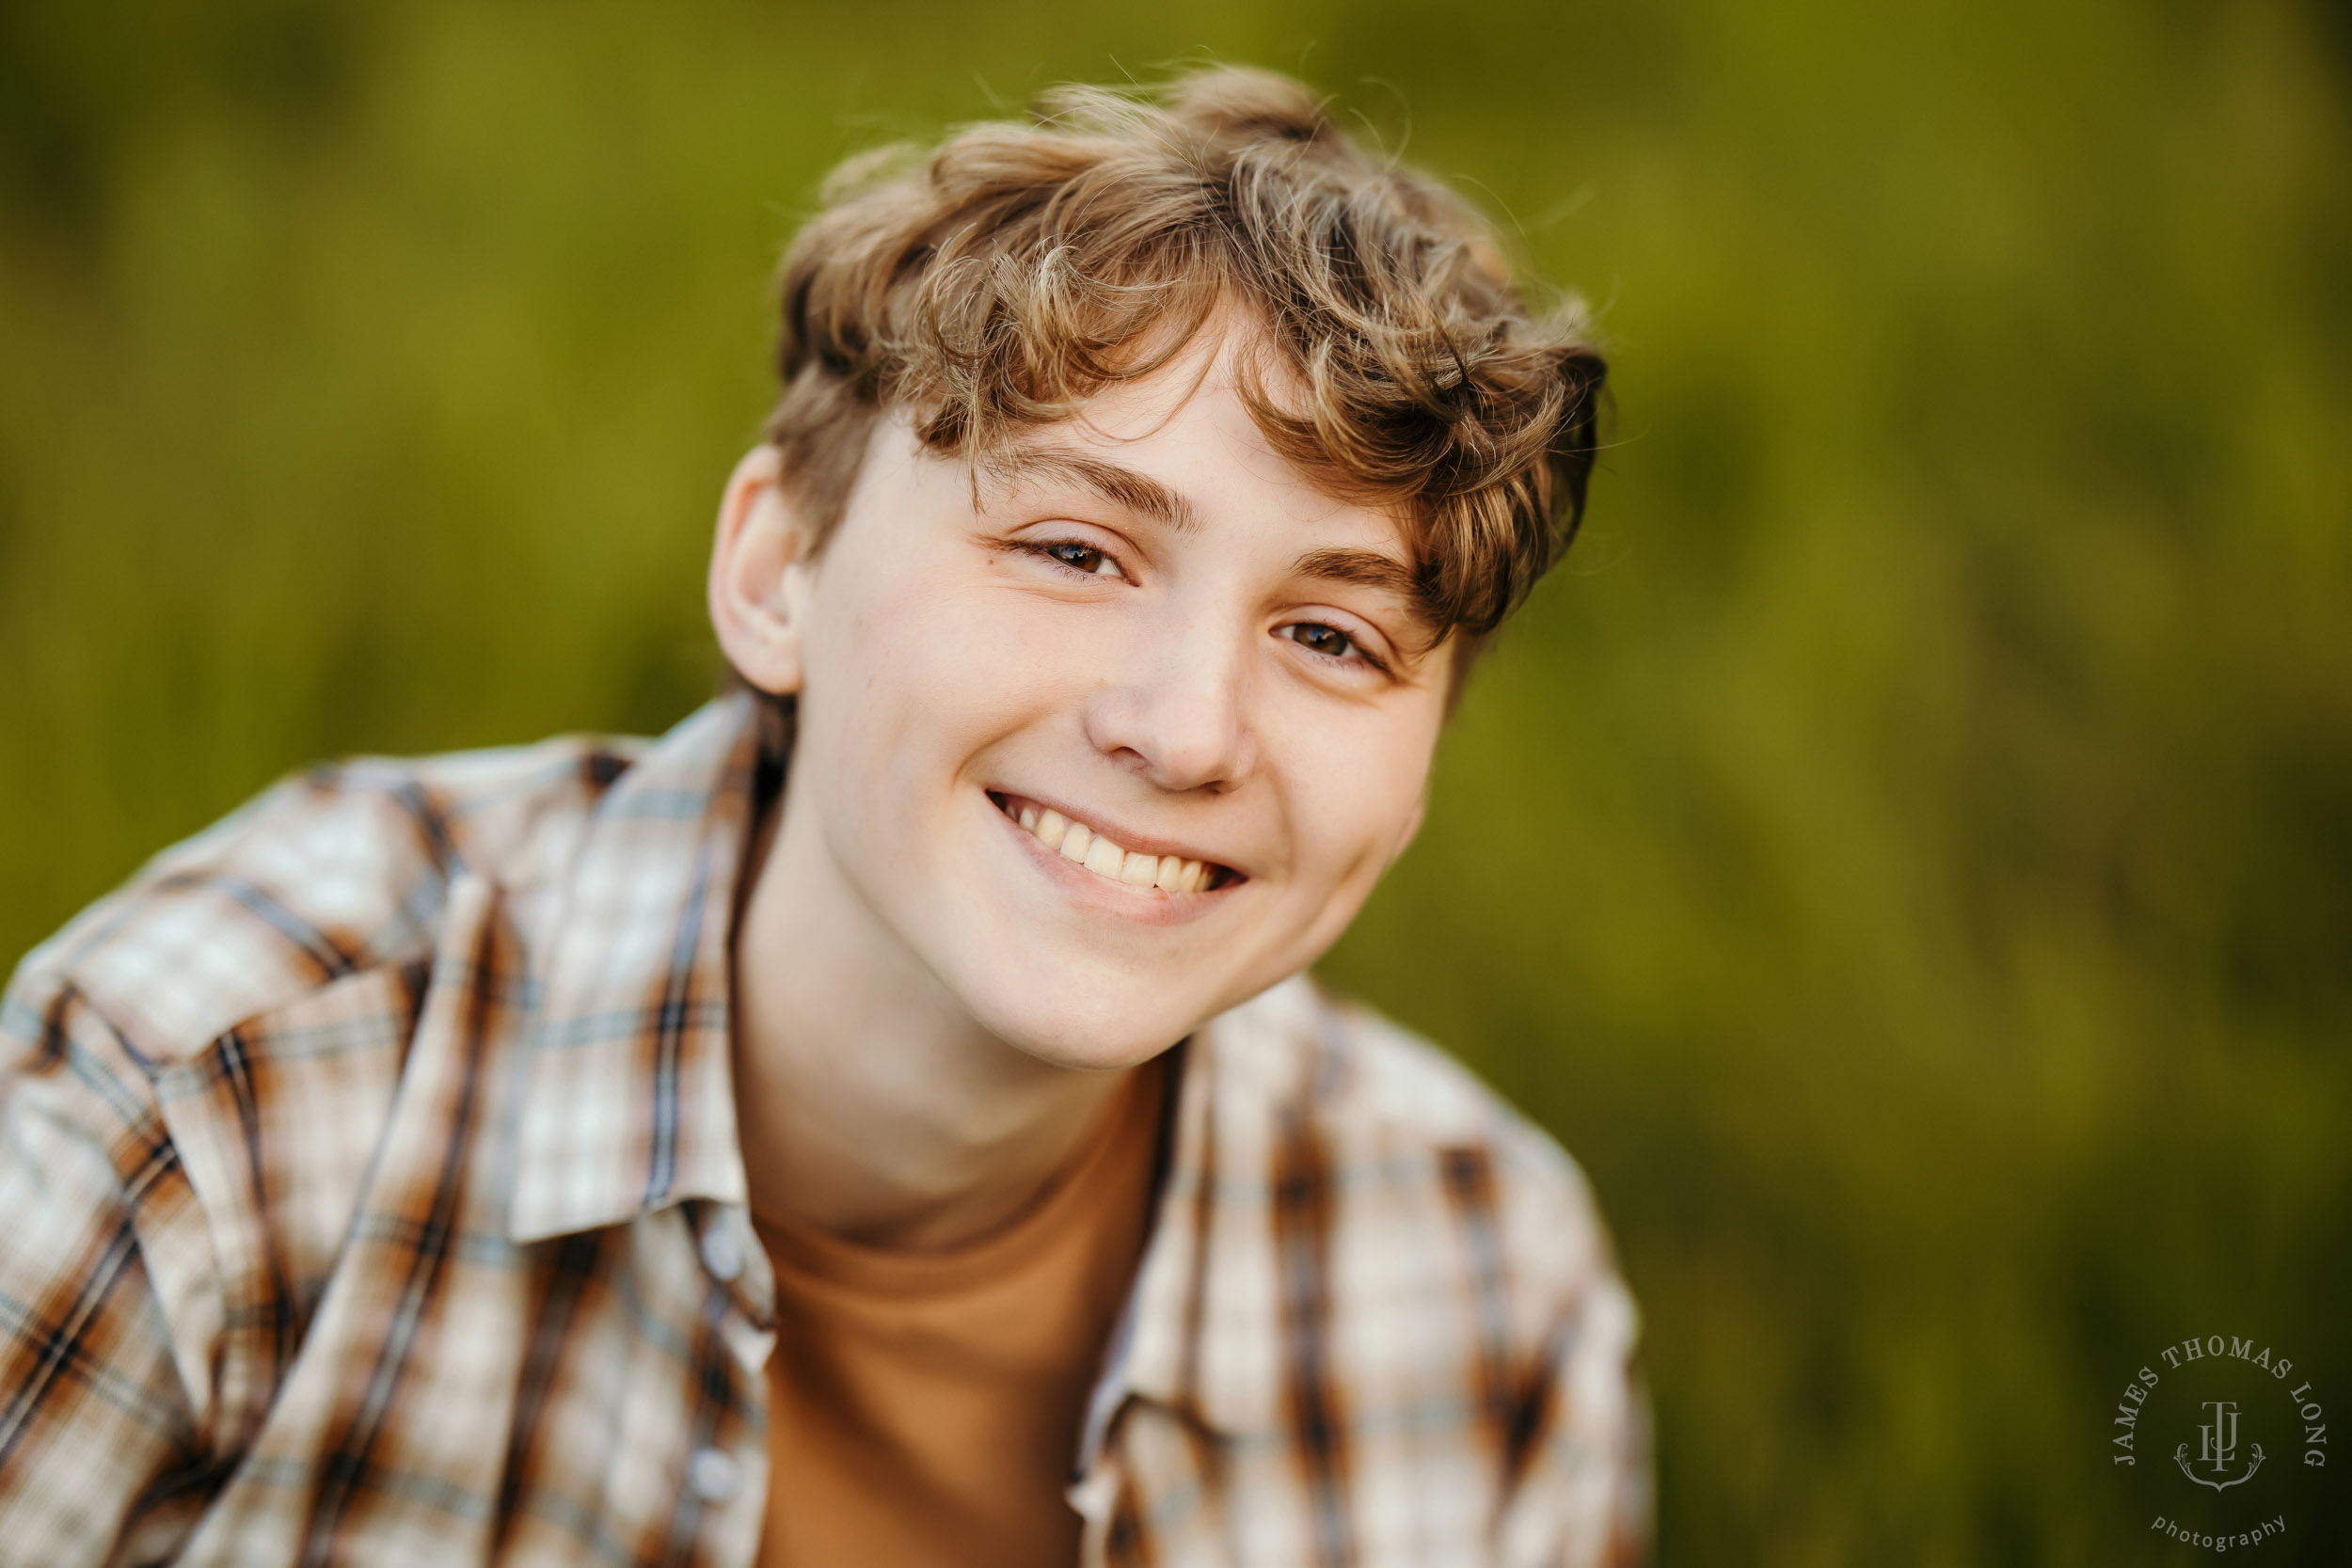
{"x": 995, "y": 282}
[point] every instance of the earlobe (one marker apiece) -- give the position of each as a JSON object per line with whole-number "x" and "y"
{"x": 756, "y": 564}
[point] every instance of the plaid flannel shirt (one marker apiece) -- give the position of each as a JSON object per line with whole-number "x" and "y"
{"x": 371, "y": 1194}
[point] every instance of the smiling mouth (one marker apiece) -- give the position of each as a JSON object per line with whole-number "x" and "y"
{"x": 1082, "y": 847}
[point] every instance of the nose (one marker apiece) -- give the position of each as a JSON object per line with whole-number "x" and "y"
{"x": 1176, "y": 711}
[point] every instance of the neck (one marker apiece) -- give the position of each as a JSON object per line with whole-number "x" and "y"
{"x": 868, "y": 1102}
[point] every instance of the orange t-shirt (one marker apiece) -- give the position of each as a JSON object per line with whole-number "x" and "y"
{"x": 924, "y": 1406}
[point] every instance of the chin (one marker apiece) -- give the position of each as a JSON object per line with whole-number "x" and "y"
{"x": 1098, "y": 1038}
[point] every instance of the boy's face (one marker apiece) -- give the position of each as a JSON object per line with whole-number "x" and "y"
{"x": 1150, "y": 626}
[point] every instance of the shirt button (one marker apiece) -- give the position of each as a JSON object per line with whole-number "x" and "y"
{"x": 723, "y": 1255}
{"x": 712, "y": 1475}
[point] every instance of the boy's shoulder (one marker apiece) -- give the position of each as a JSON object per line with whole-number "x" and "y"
{"x": 1398, "y": 1124}
{"x": 1351, "y": 1216}
{"x": 340, "y": 871}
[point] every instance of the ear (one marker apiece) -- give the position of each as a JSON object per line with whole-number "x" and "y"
{"x": 759, "y": 571}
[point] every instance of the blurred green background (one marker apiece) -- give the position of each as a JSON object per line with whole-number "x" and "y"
{"x": 1906, "y": 853}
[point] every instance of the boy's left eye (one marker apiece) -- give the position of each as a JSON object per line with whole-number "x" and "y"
{"x": 1080, "y": 558}
{"x": 1318, "y": 637}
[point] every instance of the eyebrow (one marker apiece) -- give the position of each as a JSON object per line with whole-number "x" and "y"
{"x": 1365, "y": 568}
{"x": 1376, "y": 570}
{"x": 1138, "y": 493}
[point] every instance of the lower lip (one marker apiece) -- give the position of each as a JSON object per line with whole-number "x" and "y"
{"x": 1145, "y": 906}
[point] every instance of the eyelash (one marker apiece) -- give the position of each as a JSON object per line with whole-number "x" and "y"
{"x": 1357, "y": 653}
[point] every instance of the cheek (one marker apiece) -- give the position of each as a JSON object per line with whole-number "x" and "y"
{"x": 865, "y": 700}
{"x": 1356, "y": 798}
{"x": 914, "y": 677}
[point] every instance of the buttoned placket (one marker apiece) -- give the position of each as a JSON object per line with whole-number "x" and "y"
{"x": 1094, "y": 1471}
{"x": 731, "y": 1482}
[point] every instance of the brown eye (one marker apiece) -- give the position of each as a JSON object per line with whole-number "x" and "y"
{"x": 1321, "y": 639}
{"x": 1080, "y": 558}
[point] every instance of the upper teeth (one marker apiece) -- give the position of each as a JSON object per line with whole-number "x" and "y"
{"x": 1077, "y": 842}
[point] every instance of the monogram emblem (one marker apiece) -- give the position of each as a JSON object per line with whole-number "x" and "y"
{"x": 2218, "y": 1448}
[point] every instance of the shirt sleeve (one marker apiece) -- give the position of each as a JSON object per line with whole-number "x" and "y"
{"x": 102, "y": 1458}
{"x": 1582, "y": 1498}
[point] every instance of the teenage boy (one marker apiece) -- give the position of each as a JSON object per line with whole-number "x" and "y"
{"x": 884, "y": 1121}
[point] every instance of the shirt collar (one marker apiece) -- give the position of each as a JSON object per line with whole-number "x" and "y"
{"x": 628, "y": 1101}
{"x": 1249, "y": 1075}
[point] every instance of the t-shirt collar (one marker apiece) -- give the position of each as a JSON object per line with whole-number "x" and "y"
{"x": 628, "y": 1101}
